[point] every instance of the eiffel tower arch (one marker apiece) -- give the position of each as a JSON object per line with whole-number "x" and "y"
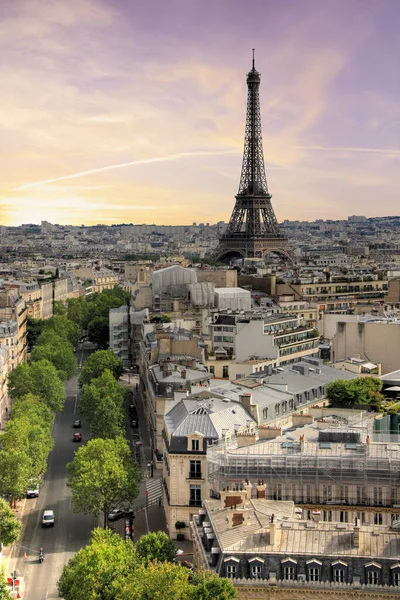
{"x": 253, "y": 230}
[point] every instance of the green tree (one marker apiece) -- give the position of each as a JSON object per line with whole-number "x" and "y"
{"x": 336, "y": 392}
{"x": 99, "y": 331}
{"x": 97, "y": 363}
{"x": 156, "y": 582}
{"x": 57, "y": 351}
{"x": 161, "y": 319}
{"x": 10, "y": 527}
{"x": 156, "y": 546}
{"x": 208, "y": 586}
{"x": 64, "y": 328}
{"x": 77, "y": 311}
{"x": 102, "y": 405}
{"x": 93, "y": 572}
{"x": 33, "y": 408}
{"x": 34, "y": 328}
{"x": 102, "y": 476}
{"x": 362, "y": 390}
{"x": 59, "y": 309}
{"x": 41, "y": 379}
{"x": 15, "y": 471}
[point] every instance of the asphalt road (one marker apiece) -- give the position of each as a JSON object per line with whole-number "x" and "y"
{"x": 71, "y": 531}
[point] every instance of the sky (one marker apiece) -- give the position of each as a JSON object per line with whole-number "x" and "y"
{"x": 133, "y": 111}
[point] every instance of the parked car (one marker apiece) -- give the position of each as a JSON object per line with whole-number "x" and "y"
{"x": 77, "y": 423}
{"x": 48, "y": 518}
{"x": 135, "y": 423}
{"x": 115, "y": 514}
{"x": 77, "y": 437}
{"x": 33, "y": 489}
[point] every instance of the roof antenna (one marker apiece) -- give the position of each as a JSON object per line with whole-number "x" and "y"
{"x": 254, "y": 66}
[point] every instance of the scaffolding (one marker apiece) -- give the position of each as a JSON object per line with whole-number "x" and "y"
{"x": 310, "y": 472}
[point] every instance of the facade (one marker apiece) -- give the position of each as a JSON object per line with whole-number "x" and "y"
{"x": 4, "y": 370}
{"x": 119, "y": 333}
{"x": 60, "y": 290}
{"x": 283, "y": 338}
{"x": 189, "y": 428}
{"x": 46, "y": 288}
{"x": 264, "y": 542}
{"x": 13, "y": 313}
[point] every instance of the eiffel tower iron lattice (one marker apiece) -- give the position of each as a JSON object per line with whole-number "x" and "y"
{"x": 253, "y": 230}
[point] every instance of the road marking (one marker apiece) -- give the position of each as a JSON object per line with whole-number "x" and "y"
{"x": 75, "y": 403}
{"x": 147, "y": 520}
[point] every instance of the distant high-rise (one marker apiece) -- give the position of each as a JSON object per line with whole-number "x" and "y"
{"x": 253, "y": 230}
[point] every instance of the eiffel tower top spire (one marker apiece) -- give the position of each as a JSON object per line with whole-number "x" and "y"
{"x": 253, "y": 181}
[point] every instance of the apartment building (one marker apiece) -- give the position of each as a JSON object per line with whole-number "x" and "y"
{"x": 119, "y": 333}
{"x": 279, "y": 337}
{"x": 13, "y": 314}
{"x": 4, "y": 370}
{"x": 190, "y": 427}
{"x": 328, "y": 461}
{"x": 268, "y": 551}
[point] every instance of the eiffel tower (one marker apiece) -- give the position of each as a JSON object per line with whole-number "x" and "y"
{"x": 253, "y": 230}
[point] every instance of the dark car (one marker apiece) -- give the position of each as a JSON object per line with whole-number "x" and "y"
{"x": 77, "y": 424}
{"x": 77, "y": 437}
{"x": 135, "y": 423}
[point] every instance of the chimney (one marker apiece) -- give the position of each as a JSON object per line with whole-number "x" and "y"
{"x": 193, "y": 363}
{"x": 261, "y": 489}
{"x": 272, "y": 531}
{"x": 266, "y": 432}
{"x": 316, "y": 516}
{"x": 302, "y": 442}
{"x": 246, "y": 439}
{"x": 248, "y": 487}
{"x": 356, "y": 534}
{"x": 215, "y": 552}
{"x": 183, "y": 373}
{"x": 232, "y": 498}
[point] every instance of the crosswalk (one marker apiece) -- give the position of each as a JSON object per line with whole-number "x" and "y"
{"x": 153, "y": 490}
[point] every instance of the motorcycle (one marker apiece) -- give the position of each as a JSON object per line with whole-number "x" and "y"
{"x": 41, "y": 556}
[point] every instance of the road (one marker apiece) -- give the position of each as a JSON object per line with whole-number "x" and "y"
{"x": 71, "y": 531}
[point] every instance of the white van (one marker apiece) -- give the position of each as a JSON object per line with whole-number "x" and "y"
{"x": 48, "y": 518}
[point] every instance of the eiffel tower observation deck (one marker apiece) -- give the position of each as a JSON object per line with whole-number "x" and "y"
{"x": 253, "y": 231}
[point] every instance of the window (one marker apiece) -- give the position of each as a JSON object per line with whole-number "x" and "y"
{"x": 394, "y": 496}
{"x": 338, "y": 575}
{"x": 195, "y": 469}
{"x": 195, "y": 445}
{"x": 230, "y": 571}
{"x": 265, "y": 413}
{"x": 195, "y": 495}
{"x": 288, "y": 573}
{"x": 290, "y": 404}
{"x": 373, "y": 577}
{"x": 377, "y": 518}
{"x": 396, "y": 578}
{"x": 277, "y": 409}
{"x": 378, "y": 495}
{"x": 212, "y": 370}
{"x": 344, "y": 516}
{"x": 327, "y": 492}
{"x": 327, "y": 515}
{"x": 225, "y": 371}
{"x": 344, "y": 493}
{"x": 360, "y": 495}
{"x": 256, "y": 571}
{"x": 313, "y": 574}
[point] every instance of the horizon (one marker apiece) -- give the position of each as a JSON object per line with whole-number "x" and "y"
{"x": 144, "y": 113}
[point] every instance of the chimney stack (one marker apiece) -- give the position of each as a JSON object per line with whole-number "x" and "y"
{"x": 183, "y": 373}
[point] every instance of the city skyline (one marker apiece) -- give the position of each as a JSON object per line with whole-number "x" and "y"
{"x": 119, "y": 112}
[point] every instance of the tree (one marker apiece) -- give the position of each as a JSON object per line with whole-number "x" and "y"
{"x": 15, "y": 471}
{"x": 59, "y": 309}
{"x": 94, "y": 570}
{"x": 34, "y": 328}
{"x": 362, "y": 390}
{"x": 20, "y": 381}
{"x": 39, "y": 378}
{"x": 34, "y": 409}
{"x": 97, "y": 363}
{"x": 102, "y": 476}
{"x": 77, "y": 311}
{"x": 102, "y": 405}
{"x": 10, "y": 527}
{"x": 99, "y": 331}
{"x": 208, "y": 586}
{"x": 156, "y": 581}
{"x": 156, "y": 546}
{"x": 56, "y": 350}
{"x": 64, "y": 328}
{"x": 160, "y": 319}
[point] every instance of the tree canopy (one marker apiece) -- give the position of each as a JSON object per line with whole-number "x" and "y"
{"x": 102, "y": 405}
{"x": 58, "y": 351}
{"x": 64, "y": 328}
{"x": 109, "y": 568}
{"x": 102, "y": 476}
{"x": 10, "y": 526}
{"x": 362, "y": 390}
{"x": 39, "y": 378}
{"x": 156, "y": 546}
{"x": 97, "y": 363}
{"x": 99, "y": 331}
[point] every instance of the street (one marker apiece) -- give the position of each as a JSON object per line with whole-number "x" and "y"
{"x": 71, "y": 531}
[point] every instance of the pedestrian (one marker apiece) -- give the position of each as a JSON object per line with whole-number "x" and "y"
{"x": 159, "y": 502}
{"x": 6, "y": 410}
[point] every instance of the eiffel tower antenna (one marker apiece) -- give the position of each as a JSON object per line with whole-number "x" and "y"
{"x": 253, "y": 230}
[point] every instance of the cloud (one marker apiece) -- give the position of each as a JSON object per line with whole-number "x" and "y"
{"x": 389, "y": 152}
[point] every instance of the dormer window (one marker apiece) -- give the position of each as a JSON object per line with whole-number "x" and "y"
{"x": 373, "y": 573}
{"x": 195, "y": 445}
{"x": 256, "y": 565}
{"x": 339, "y": 571}
{"x": 314, "y": 570}
{"x": 289, "y": 567}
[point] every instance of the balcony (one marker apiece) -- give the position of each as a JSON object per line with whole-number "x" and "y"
{"x": 194, "y": 475}
{"x": 195, "y": 502}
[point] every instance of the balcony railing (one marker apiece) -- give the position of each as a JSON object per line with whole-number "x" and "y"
{"x": 195, "y": 502}
{"x": 194, "y": 475}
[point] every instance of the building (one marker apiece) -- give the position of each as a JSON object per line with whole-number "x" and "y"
{"x": 119, "y": 333}
{"x": 4, "y": 370}
{"x": 326, "y": 459}
{"x": 46, "y": 288}
{"x": 13, "y": 314}
{"x": 245, "y": 335}
{"x": 268, "y": 552}
{"x": 190, "y": 427}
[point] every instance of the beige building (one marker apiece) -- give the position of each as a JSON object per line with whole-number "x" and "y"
{"x": 13, "y": 309}
{"x": 190, "y": 427}
{"x": 4, "y": 370}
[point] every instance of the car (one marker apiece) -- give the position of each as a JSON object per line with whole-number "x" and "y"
{"x": 77, "y": 437}
{"x": 48, "y": 518}
{"x": 116, "y": 514}
{"x": 77, "y": 423}
{"x": 33, "y": 489}
{"x": 134, "y": 423}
